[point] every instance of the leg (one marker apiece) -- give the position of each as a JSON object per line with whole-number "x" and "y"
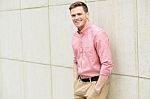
{"x": 78, "y": 90}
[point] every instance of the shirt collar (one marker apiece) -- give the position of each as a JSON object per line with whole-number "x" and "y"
{"x": 87, "y": 25}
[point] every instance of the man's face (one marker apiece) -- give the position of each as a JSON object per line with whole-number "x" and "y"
{"x": 79, "y": 17}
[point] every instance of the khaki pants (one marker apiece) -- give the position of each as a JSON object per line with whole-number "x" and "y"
{"x": 86, "y": 90}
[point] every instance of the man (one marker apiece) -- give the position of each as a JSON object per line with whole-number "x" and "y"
{"x": 92, "y": 55}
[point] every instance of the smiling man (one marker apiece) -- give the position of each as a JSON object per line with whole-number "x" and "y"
{"x": 92, "y": 56}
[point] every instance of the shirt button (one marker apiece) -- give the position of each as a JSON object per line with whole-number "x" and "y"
{"x": 80, "y": 50}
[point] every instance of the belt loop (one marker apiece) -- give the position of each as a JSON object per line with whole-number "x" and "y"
{"x": 90, "y": 79}
{"x": 78, "y": 77}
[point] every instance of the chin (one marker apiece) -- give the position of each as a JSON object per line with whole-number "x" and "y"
{"x": 78, "y": 26}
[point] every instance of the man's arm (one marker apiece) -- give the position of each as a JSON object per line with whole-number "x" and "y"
{"x": 104, "y": 52}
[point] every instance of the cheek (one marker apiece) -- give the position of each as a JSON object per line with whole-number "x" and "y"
{"x": 73, "y": 19}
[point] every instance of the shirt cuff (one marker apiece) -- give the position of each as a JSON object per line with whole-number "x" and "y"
{"x": 106, "y": 70}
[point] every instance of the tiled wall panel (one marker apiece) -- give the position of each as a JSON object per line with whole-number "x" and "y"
{"x": 60, "y": 2}
{"x": 123, "y": 87}
{"x": 144, "y": 88}
{"x": 35, "y": 30}
{"x": 37, "y": 81}
{"x": 33, "y": 3}
{"x": 62, "y": 82}
{"x": 144, "y": 37}
{"x": 11, "y": 79}
{"x": 10, "y": 35}
{"x": 9, "y": 4}
{"x": 125, "y": 32}
{"x": 61, "y": 29}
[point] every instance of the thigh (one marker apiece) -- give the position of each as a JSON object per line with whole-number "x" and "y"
{"x": 80, "y": 89}
{"x": 79, "y": 97}
{"x": 91, "y": 93}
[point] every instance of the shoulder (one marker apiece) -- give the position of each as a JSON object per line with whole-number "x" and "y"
{"x": 74, "y": 34}
{"x": 96, "y": 28}
{"x": 98, "y": 31}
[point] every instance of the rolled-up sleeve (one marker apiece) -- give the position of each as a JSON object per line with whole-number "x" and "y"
{"x": 104, "y": 53}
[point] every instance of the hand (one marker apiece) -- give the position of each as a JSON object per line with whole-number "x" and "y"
{"x": 98, "y": 89}
{"x": 100, "y": 83}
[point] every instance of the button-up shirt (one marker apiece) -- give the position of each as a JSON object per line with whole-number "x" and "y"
{"x": 92, "y": 54}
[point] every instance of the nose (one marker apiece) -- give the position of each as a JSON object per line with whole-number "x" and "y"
{"x": 76, "y": 17}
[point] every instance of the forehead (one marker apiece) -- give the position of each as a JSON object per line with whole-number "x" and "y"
{"x": 77, "y": 10}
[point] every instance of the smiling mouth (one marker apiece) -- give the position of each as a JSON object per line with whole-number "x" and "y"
{"x": 77, "y": 22}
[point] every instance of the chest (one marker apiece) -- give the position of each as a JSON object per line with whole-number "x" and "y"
{"x": 85, "y": 43}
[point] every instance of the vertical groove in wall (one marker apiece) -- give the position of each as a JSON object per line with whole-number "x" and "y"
{"x": 50, "y": 50}
{"x": 23, "y": 72}
{"x": 137, "y": 43}
{"x": 23, "y": 67}
{"x": 22, "y": 55}
{"x": 1, "y": 84}
{"x": 24, "y": 79}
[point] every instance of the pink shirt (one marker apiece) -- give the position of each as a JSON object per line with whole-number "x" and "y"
{"x": 92, "y": 54}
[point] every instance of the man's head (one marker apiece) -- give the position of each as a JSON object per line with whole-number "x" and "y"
{"x": 79, "y": 14}
{"x": 79, "y": 4}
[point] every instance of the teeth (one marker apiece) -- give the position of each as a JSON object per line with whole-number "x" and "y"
{"x": 77, "y": 21}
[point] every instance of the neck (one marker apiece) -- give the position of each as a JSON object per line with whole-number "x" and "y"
{"x": 79, "y": 29}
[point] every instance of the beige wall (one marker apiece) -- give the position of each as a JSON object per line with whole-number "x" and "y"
{"x": 36, "y": 53}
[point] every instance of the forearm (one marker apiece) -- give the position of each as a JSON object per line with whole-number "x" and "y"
{"x": 75, "y": 72}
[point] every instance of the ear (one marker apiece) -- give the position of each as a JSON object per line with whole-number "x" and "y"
{"x": 87, "y": 15}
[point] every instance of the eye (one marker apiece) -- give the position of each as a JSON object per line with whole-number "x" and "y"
{"x": 73, "y": 15}
{"x": 79, "y": 14}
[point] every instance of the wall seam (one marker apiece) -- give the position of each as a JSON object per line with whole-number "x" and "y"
{"x": 23, "y": 67}
{"x": 137, "y": 43}
{"x": 23, "y": 8}
{"x": 19, "y": 60}
{"x": 50, "y": 50}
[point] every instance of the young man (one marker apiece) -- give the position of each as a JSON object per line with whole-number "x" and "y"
{"x": 92, "y": 55}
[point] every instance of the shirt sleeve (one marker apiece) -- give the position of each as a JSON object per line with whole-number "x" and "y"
{"x": 74, "y": 58}
{"x": 104, "y": 53}
{"x": 74, "y": 52}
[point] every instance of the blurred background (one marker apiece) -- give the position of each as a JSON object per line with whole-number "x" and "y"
{"x": 36, "y": 54}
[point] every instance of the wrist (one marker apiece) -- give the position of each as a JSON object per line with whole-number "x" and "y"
{"x": 98, "y": 86}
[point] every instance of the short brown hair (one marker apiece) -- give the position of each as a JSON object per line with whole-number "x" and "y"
{"x": 78, "y": 4}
